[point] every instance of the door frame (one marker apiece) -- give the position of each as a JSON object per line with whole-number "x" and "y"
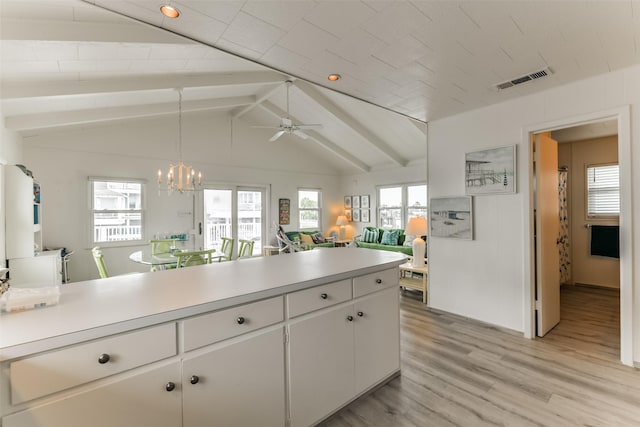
{"x": 623, "y": 117}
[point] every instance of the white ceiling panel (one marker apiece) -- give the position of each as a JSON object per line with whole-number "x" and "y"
{"x": 423, "y": 59}
{"x": 252, "y": 33}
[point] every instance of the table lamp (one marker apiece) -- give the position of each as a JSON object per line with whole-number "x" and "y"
{"x": 417, "y": 227}
{"x": 342, "y": 221}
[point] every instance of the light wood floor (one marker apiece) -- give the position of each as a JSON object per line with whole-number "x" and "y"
{"x": 460, "y": 372}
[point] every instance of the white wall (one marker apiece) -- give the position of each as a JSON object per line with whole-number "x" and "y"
{"x": 484, "y": 278}
{"x": 63, "y": 160}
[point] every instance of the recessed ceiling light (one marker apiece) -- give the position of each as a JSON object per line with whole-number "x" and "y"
{"x": 169, "y": 11}
{"x": 333, "y": 77}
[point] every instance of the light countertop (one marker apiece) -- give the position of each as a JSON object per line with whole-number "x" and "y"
{"x": 97, "y": 308}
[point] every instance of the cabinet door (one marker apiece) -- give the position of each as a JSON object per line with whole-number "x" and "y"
{"x": 320, "y": 364}
{"x": 241, "y": 384}
{"x": 377, "y": 337}
{"x": 138, "y": 400}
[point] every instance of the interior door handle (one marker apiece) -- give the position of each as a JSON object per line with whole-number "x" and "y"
{"x": 200, "y": 228}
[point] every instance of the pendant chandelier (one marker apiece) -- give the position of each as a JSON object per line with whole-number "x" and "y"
{"x": 180, "y": 177}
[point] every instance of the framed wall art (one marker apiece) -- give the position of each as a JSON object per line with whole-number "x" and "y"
{"x": 347, "y": 202}
{"x": 284, "y": 211}
{"x": 490, "y": 171}
{"x": 356, "y": 215}
{"x": 364, "y": 215}
{"x": 347, "y": 212}
{"x": 355, "y": 202}
{"x": 364, "y": 201}
{"x": 451, "y": 217}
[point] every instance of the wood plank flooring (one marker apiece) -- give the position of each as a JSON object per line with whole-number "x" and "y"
{"x": 460, "y": 372}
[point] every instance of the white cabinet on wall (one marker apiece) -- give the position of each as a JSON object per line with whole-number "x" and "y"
{"x": 23, "y": 216}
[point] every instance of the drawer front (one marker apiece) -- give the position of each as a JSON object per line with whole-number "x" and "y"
{"x": 210, "y": 328}
{"x": 302, "y": 302}
{"x": 61, "y": 369}
{"x": 368, "y": 283}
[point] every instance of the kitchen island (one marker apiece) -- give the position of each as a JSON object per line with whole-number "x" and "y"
{"x": 284, "y": 340}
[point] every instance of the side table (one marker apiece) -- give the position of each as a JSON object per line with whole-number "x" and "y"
{"x": 414, "y": 278}
{"x": 268, "y": 250}
{"x": 341, "y": 243}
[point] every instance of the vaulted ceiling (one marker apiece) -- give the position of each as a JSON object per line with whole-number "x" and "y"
{"x": 69, "y": 63}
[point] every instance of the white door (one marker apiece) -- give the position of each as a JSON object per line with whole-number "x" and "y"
{"x": 547, "y": 226}
{"x": 234, "y": 212}
{"x": 241, "y": 384}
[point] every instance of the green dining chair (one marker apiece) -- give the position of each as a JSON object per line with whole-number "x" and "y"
{"x": 245, "y": 249}
{"x": 99, "y": 259}
{"x": 162, "y": 246}
{"x": 226, "y": 249}
{"x": 191, "y": 258}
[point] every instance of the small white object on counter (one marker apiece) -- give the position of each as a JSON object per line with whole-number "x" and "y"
{"x": 19, "y": 299}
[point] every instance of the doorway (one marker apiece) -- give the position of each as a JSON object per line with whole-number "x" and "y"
{"x": 236, "y": 212}
{"x": 533, "y": 299}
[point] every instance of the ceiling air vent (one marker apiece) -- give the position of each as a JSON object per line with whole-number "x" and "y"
{"x": 523, "y": 79}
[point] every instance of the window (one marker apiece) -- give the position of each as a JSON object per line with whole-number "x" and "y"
{"x": 116, "y": 210}
{"x": 396, "y": 204}
{"x": 603, "y": 191}
{"x": 309, "y": 209}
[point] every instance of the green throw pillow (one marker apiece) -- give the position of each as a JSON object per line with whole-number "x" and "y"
{"x": 370, "y": 236}
{"x": 390, "y": 237}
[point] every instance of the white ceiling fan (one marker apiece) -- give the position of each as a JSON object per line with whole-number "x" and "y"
{"x": 287, "y": 125}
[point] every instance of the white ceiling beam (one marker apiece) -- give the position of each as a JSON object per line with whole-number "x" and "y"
{"x": 25, "y": 29}
{"x": 421, "y": 126}
{"x": 334, "y": 148}
{"x": 348, "y": 120}
{"x": 114, "y": 85}
{"x": 259, "y": 100}
{"x": 98, "y": 115}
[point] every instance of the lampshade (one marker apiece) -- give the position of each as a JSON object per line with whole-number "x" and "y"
{"x": 342, "y": 220}
{"x": 417, "y": 226}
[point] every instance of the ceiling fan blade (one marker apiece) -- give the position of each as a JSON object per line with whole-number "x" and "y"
{"x": 265, "y": 127}
{"x": 308, "y": 126}
{"x": 300, "y": 134}
{"x": 277, "y": 135}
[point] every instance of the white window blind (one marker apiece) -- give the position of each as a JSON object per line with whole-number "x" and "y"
{"x": 603, "y": 190}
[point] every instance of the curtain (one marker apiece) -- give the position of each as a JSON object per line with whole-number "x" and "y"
{"x": 563, "y": 238}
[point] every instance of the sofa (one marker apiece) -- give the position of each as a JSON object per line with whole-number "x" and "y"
{"x": 372, "y": 238}
{"x": 309, "y": 239}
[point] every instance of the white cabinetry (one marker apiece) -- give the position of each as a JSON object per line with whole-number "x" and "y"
{"x": 239, "y": 379}
{"x": 240, "y": 384}
{"x": 139, "y": 399}
{"x": 337, "y": 353}
{"x": 23, "y": 230}
{"x": 253, "y": 363}
{"x": 321, "y": 364}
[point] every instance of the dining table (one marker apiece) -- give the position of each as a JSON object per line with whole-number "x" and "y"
{"x": 160, "y": 261}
